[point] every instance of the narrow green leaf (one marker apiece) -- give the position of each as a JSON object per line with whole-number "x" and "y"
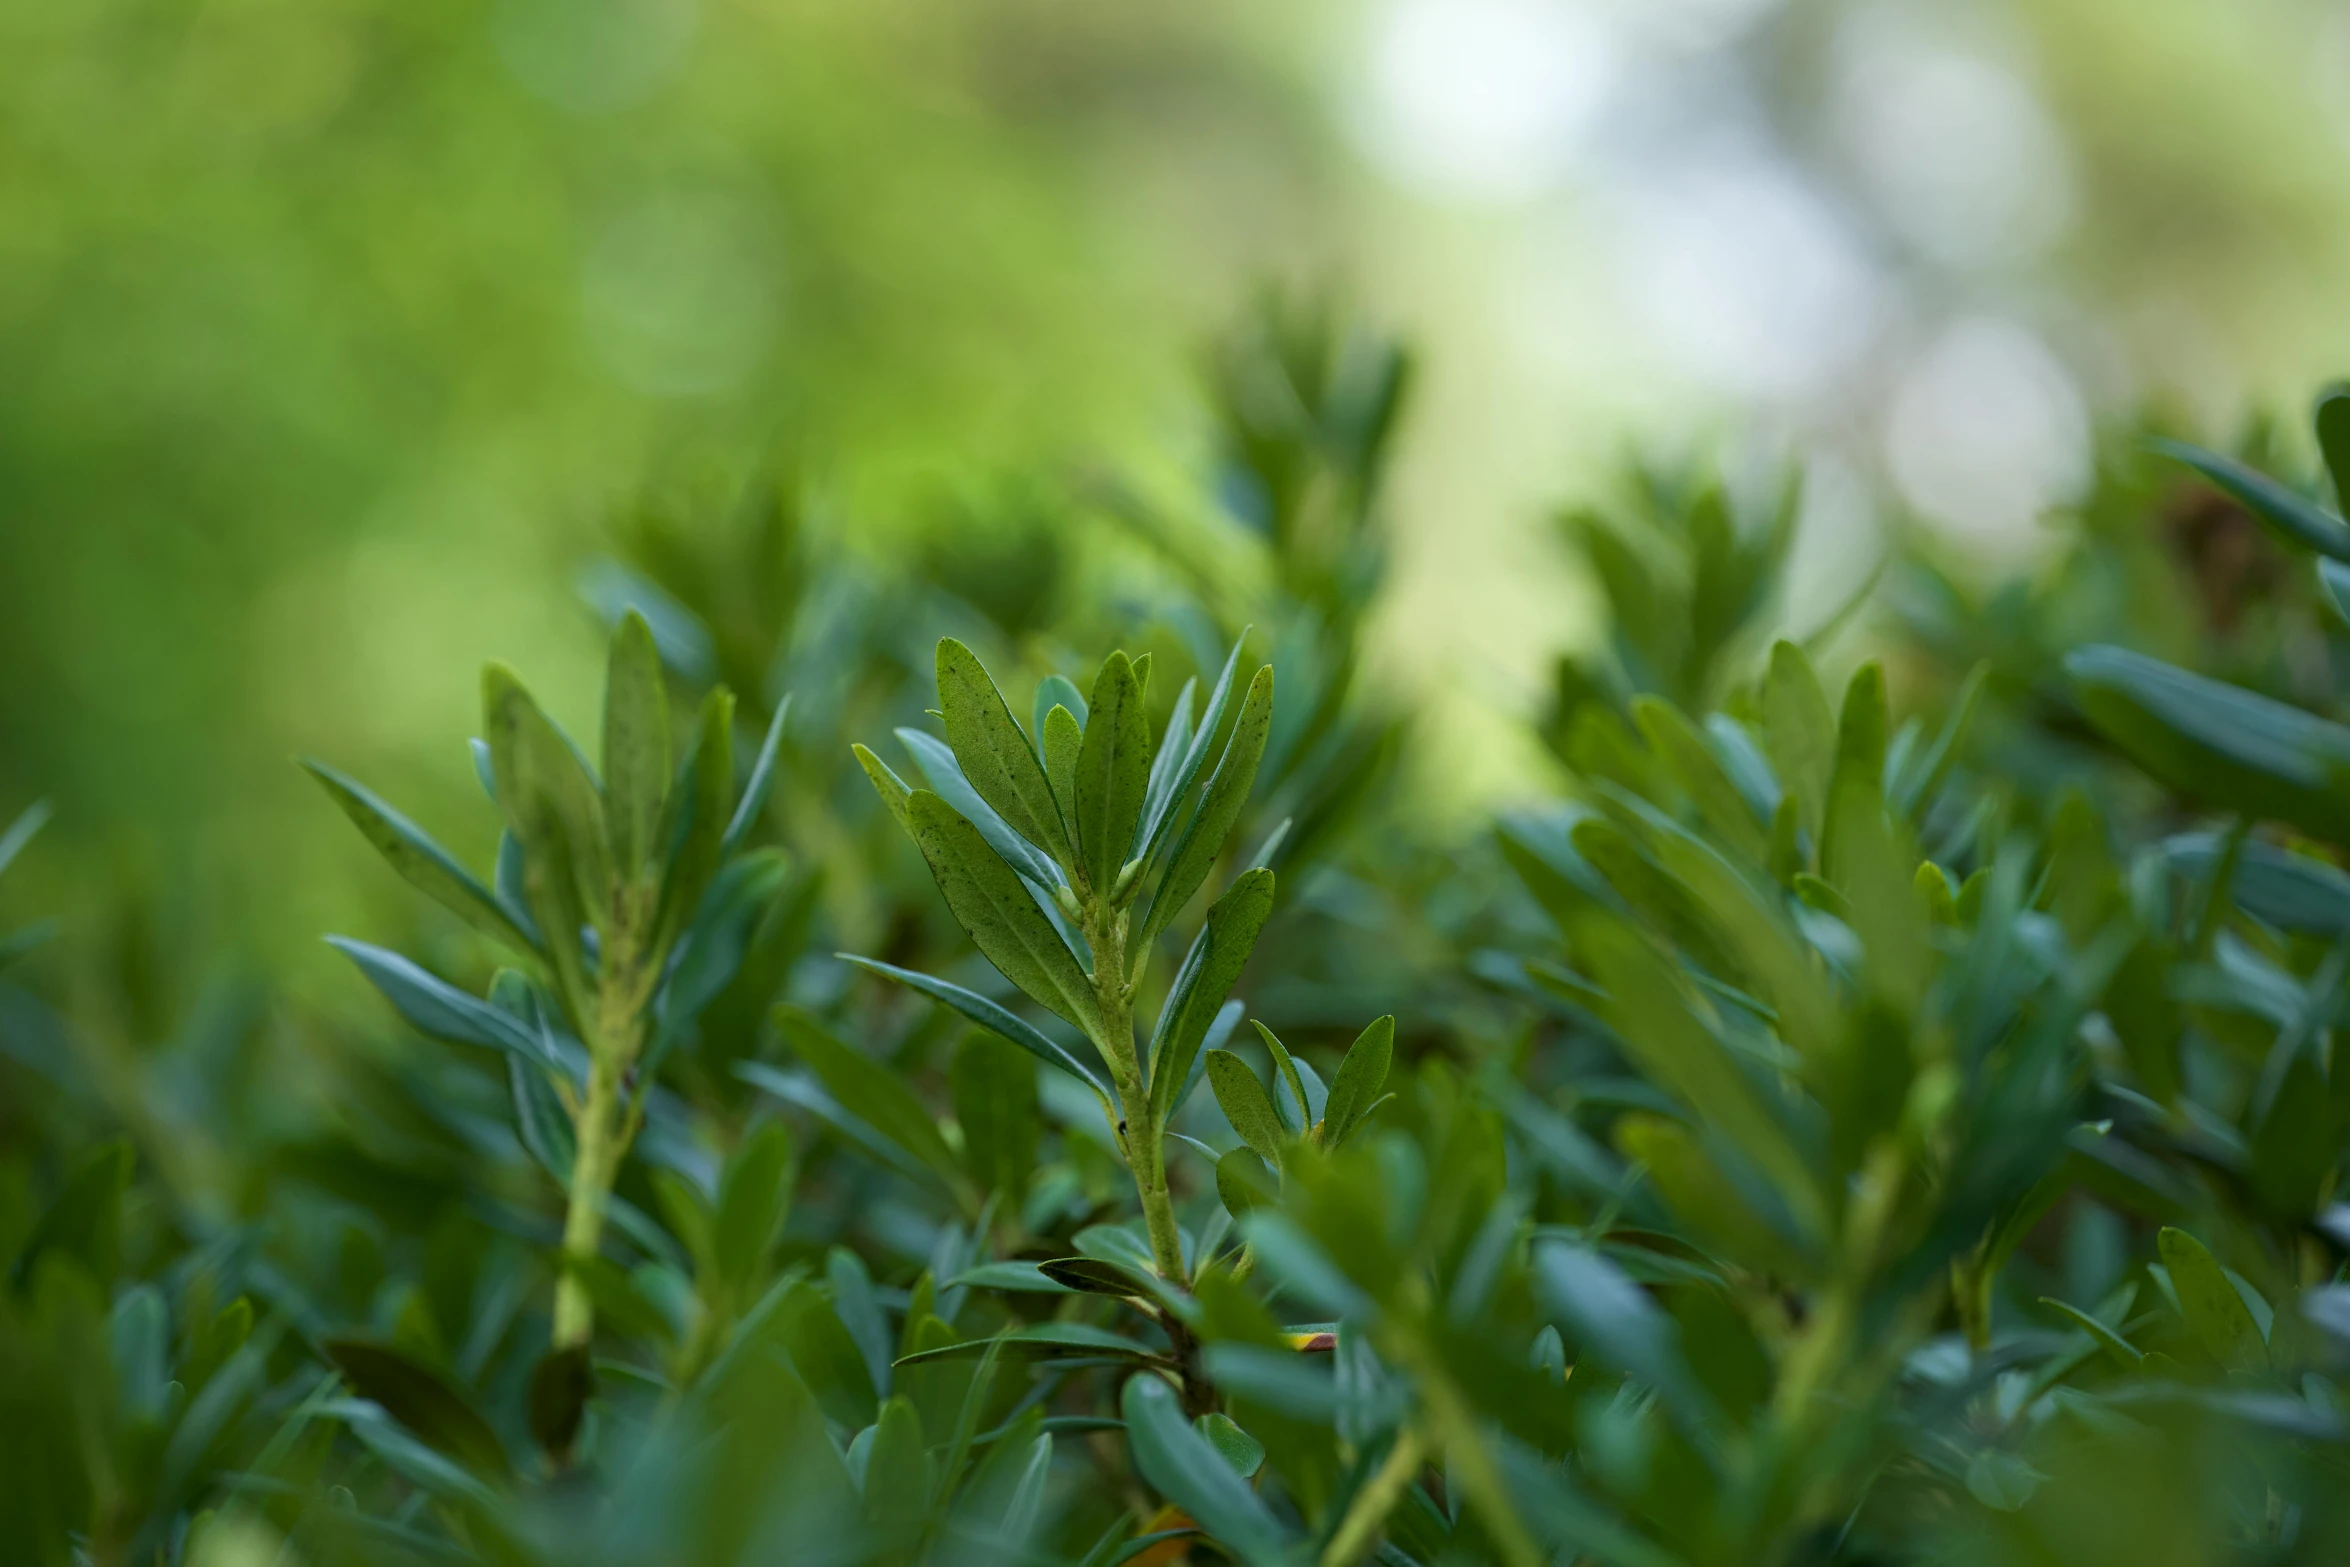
{"x": 436, "y": 1007}
{"x": 1236, "y": 1447}
{"x": 1057, "y": 691}
{"x": 1288, "y": 1075}
{"x": 990, "y": 901}
{"x": 550, "y": 800}
{"x": 1799, "y": 732}
{"x": 1361, "y": 1077}
{"x": 2332, "y": 420}
{"x": 701, "y": 804}
{"x": 2125, "y": 1354}
{"x": 870, "y": 1092}
{"x": 945, "y": 775}
{"x": 753, "y": 1196}
{"x": 988, "y": 1014}
{"x": 1220, "y": 805}
{"x": 888, "y": 785}
{"x": 84, "y": 1221}
{"x": 994, "y": 1083}
{"x": 423, "y": 1400}
{"x": 421, "y": 862}
{"x": 636, "y": 746}
{"x": 1174, "y": 745}
{"x": 2294, "y": 518}
{"x": 1113, "y": 770}
{"x": 1160, "y": 819}
{"x": 995, "y": 753}
{"x": 1676, "y": 742}
{"x": 2216, "y": 742}
{"x": 1221, "y": 951}
{"x": 1189, "y": 1471}
{"x": 1049, "y": 1339}
{"x": 1064, "y": 739}
{"x": 762, "y": 783}
{"x": 2215, "y": 1312}
{"x": 1246, "y": 1105}
{"x": 1244, "y": 1181}
{"x": 897, "y": 1475}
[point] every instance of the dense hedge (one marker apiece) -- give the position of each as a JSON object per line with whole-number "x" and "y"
{"x": 1885, "y": 1117}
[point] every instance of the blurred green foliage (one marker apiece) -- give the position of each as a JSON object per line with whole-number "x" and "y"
{"x": 1878, "y": 1100}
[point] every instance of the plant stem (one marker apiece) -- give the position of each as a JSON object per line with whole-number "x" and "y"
{"x": 1146, "y": 1150}
{"x": 1358, "y": 1532}
{"x": 602, "y": 1140}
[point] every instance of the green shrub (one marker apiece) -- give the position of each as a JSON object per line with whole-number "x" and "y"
{"x": 1887, "y": 1118}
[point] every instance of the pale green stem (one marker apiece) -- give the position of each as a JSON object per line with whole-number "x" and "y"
{"x": 1146, "y": 1151}
{"x": 602, "y": 1139}
{"x": 1366, "y": 1516}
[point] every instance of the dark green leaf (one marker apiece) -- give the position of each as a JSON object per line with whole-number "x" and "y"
{"x": 1220, "y": 804}
{"x": 636, "y": 747}
{"x": 1218, "y": 955}
{"x": 994, "y": 753}
{"x": 2216, "y": 742}
{"x": 2292, "y": 517}
{"x": 421, "y": 862}
{"x": 994, "y": 1084}
{"x": 1113, "y": 770}
{"x": 423, "y": 1400}
{"x": 752, "y": 1198}
{"x": 988, "y": 1014}
{"x": 871, "y": 1092}
{"x": 1190, "y": 1472}
{"x": 991, "y": 902}
{"x": 84, "y": 1222}
{"x": 434, "y": 1006}
{"x": 701, "y": 802}
{"x": 1243, "y": 1181}
{"x": 560, "y": 1386}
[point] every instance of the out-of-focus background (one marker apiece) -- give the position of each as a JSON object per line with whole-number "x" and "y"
{"x": 340, "y": 336}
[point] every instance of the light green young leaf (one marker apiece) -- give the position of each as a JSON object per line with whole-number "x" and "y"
{"x": 1220, "y": 804}
{"x": 636, "y": 747}
{"x": 1113, "y": 770}
{"x": 1246, "y": 1105}
{"x": 990, "y": 901}
{"x": 995, "y": 753}
{"x": 1799, "y": 732}
{"x": 1063, "y": 740}
{"x": 1161, "y": 816}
